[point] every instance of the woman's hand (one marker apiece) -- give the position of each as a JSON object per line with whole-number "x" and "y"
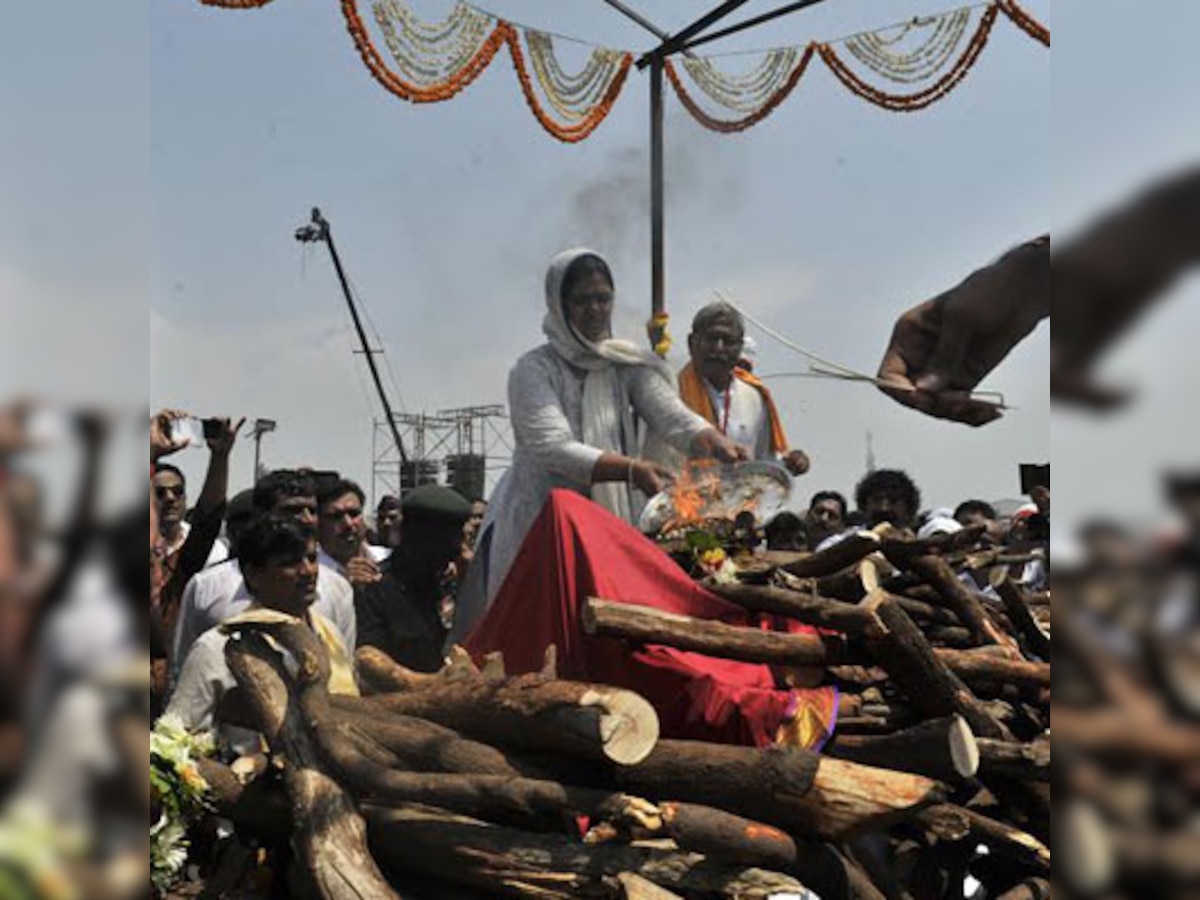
{"x": 711, "y": 442}
{"x": 650, "y": 478}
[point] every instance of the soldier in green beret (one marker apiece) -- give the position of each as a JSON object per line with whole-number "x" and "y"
{"x": 401, "y": 613}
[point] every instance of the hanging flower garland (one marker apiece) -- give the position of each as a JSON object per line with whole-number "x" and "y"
{"x": 586, "y": 120}
{"x": 922, "y": 98}
{"x": 429, "y": 83}
{"x": 573, "y": 97}
{"x": 923, "y": 61}
{"x": 1025, "y": 21}
{"x": 236, "y": 4}
{"x": 727, "y": 126}
{"x": 430, "y": 55}
{"x": 743, "y": 93}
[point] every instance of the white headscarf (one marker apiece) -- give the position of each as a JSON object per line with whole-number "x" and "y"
{"x": 607, "y": 413}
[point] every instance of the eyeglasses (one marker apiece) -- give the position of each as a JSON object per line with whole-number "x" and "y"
{"x": 169, "y": 490}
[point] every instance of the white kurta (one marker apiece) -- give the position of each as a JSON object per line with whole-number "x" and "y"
{"x": 545, "y": 396}
{"x": 219, "y": 593}
{"x": 747, "y": 421}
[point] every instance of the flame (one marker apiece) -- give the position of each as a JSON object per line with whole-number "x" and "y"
{"x": 699, "y": 496}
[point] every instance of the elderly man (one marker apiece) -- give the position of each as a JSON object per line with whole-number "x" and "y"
{"x": 714, "y": 385}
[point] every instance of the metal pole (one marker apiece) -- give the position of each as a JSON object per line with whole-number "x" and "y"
{"x": 641, "y": 20}
{"x": 257, "y": 453}
{"x": 750, "y": 23}
{"x": 323, "y": 232}
{"x": 658, "y": 289}
{"x": 682, "y": 37}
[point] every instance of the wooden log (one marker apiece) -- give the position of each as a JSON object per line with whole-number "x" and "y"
{"x": 833, "y": 559}
{"x": 380, "y": 674}
{"x": 943, "y": 749}
{"x": 727, "y": 837}
{"x": 1030, "y": 889}
{"x": 259, "y": 809}
{"x": 796, "y": 790}
{"x": 1118, "y": 734}
{"x": 528, "y": 803}
{"x": 532, "y": 804}
{"x": 809, "y": 608}
{"x": 954, "y": 637}
{"x": 730, "y": 838}
{"x": 646, "y": 625}
{"x": 527, "y": 711}
{"x": 988, "y": 669}
{"x": 1021, "y": 762}
{"x": 330, "y": 838}
{"x": 420, "y": 745}
{"x": 521, "y": 864}
{"x": 1016, "y": 603}
{"x": 965, "y": 604}
{"x": 763, "y": 784}
{"x": 635, "y": 887}
{"x": 956, "y": 823}
{"x": 930, "y": 686}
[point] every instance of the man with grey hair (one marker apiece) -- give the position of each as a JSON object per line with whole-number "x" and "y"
{"x": 714, "y": 385}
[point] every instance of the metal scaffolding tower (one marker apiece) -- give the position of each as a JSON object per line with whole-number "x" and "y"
{"x": 438, "y": 446}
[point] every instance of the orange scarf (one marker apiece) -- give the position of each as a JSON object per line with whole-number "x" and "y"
{"x": 694, "y": 393}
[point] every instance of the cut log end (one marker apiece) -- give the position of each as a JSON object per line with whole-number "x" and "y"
{"x": 964, "y": 749}
{"x": 1086, "y": 854}
{"x": 627, "y": 723}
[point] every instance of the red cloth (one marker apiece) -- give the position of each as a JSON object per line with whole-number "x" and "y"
{"x": 575, "y": 550}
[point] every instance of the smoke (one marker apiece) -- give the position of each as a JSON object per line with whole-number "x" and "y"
{"x": 610, "y": 212}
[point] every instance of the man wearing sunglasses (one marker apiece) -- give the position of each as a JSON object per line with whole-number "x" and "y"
{"x": 170, "y": 497}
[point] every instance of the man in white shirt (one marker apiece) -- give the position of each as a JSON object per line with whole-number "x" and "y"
{"x": 219, "y": 593}
{"x": 730, "y": 397}
{"x": 342, "y": 532}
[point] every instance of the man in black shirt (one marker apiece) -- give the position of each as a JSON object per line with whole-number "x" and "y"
{"x": 400, "y": 614}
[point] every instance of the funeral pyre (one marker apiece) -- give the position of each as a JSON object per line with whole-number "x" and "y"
{"x": 472, "y": 783}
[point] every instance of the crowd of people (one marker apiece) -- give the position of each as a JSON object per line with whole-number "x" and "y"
{"x": 590, "y": 414}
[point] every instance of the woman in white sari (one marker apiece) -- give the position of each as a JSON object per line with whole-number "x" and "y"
{"x": 576, "y": 405}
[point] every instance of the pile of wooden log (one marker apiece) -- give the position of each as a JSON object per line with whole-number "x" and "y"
{"x": 475, "y": 783}
{"x": 1129, "y": 733}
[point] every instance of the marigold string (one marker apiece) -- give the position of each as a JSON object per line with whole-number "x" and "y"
{"x": 1025, "y": 21}
{"x": 727, "y": 126}
{"x": 922, "y": 98}
{"x": 236, "y": 4}
{"x": 407, "y": 90}
{"x": 577, "y": 131}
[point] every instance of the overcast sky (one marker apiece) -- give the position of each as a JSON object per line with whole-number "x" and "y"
{"x": 173, "y": 163}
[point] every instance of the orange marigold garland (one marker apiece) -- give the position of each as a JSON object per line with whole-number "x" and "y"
{"x": 923, "y": 98}
{"x": 576, "y": 132}
{"x": 1025, "y": 21}
{"x": 727, "y": 126}
{"x": 407, "y": 90}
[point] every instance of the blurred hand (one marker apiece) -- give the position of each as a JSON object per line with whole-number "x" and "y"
{"x": 161, "y": 443}
{"x": 943, "y": 348}
{"x": 797, "y": 462}
{"x": 650, "y": 478}
{"x": 711, "y": 443}
{"x": 222, "y": 444}
{"x": 362, "y": 570}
